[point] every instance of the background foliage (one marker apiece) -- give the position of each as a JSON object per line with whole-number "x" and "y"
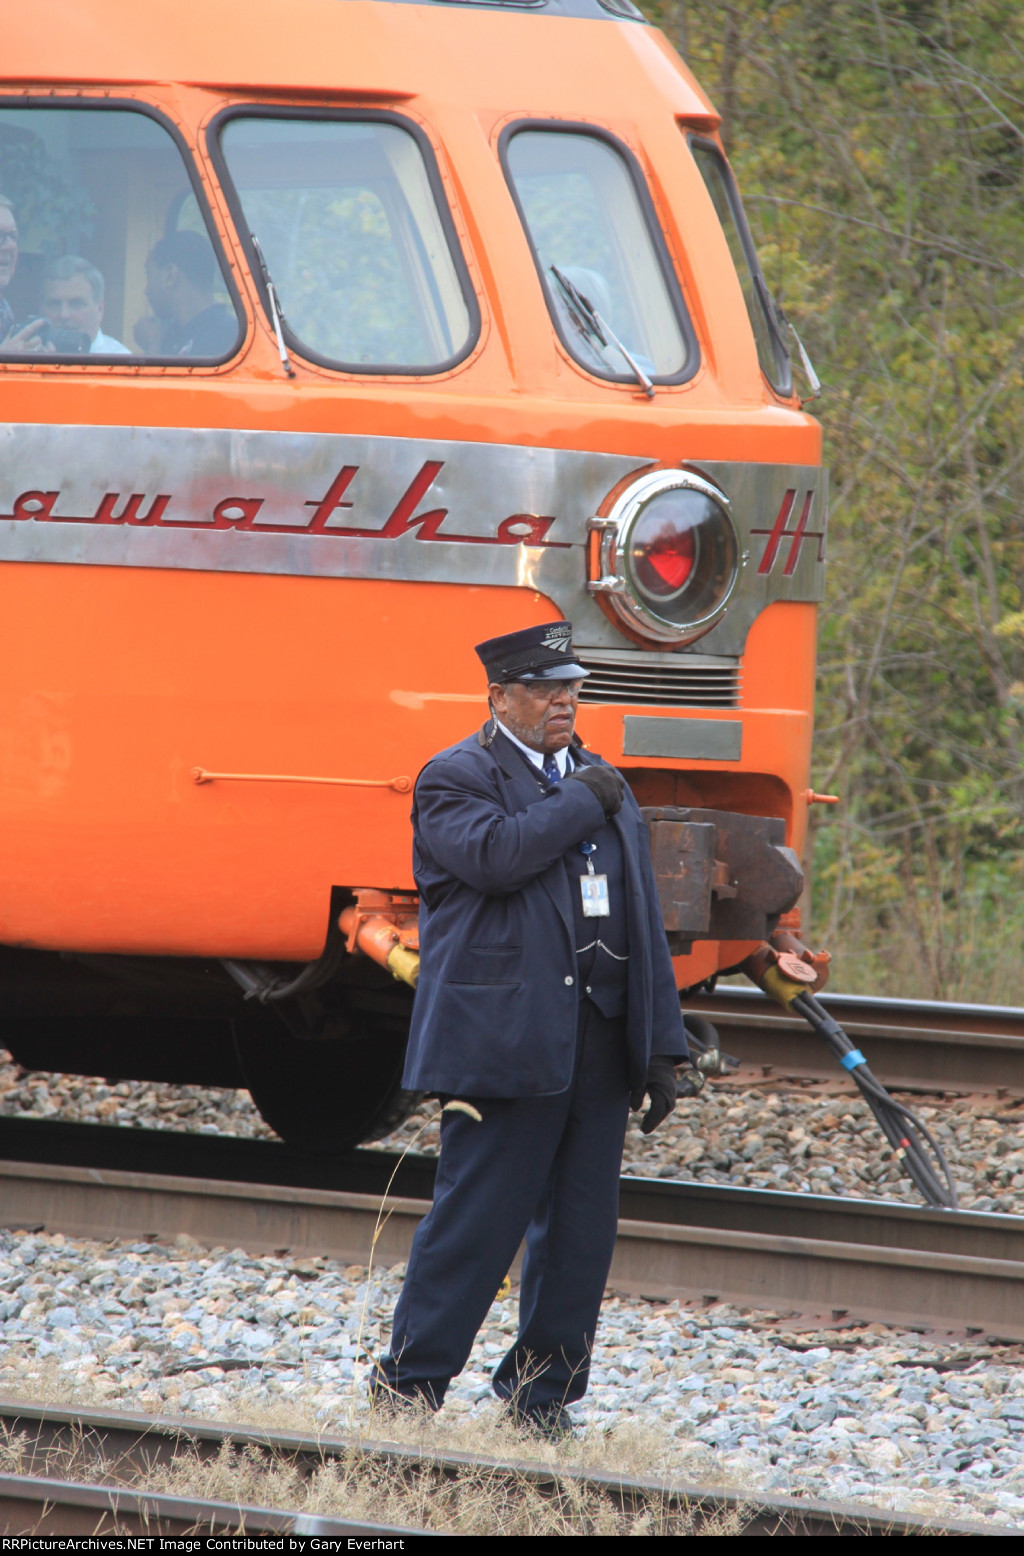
{"x": 880, "y": 151}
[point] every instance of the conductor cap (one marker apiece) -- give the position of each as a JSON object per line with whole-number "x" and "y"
{"x": 536, "y": 654}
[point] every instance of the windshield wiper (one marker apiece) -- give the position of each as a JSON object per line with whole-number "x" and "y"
{"x": 594, "y": 328}
{"x": 276, "y": 316}
{"x": 784, "y": 325}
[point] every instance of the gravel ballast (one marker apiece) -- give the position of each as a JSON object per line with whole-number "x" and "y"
{"x": 726, "y": 1397}
{"x": 911, "y": 1422}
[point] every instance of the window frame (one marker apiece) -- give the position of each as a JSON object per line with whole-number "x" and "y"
{"x": 783, "y": 387}
{"x": 295, "y": 343}
{"x": 137, "y": 362}
{"x": 649, "y": 215}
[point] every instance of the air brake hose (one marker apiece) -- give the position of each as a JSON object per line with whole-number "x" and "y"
{"x": 260, "y": 982}
{"x": 903, "y": 1130}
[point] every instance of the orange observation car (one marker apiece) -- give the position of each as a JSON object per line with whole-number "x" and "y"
{"x": 335, "y": 337}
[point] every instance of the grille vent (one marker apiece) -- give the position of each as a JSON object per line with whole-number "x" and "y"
{"x": 686, "y": 683}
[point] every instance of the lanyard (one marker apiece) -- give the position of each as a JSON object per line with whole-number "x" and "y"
{"x": 593, "y": 887}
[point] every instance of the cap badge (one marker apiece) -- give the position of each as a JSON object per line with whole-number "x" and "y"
{"x": 558, "y": 638}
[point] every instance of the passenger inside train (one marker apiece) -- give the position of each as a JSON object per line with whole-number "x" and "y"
{"x": 72, "y": 299}
{"x": 181, "y": 272}
{"x": 88, "y": 194}
{"x": 16, "y": 337}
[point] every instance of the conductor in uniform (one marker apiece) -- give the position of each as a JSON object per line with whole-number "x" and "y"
{"x": 546, "y": 1008}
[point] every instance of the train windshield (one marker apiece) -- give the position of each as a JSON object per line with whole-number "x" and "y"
{"x": 104, "y": 246}
{"x": 346, "y": 216}
{"x": 587, "y": 218}
{"x": 771, "y": 349}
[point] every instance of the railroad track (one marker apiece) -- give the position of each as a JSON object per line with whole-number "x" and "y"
{"x": 911, "y": 1045}
{"x": 819, "y": 1254}
{"x": 111, "y": 1453}
{"x": 47, "y": 1505}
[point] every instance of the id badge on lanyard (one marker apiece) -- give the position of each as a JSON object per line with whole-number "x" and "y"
{"x": 594, "y": 887}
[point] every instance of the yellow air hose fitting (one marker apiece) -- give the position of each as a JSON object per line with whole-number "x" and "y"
{"x": 782, "y": 990}
{"x": 404, "y": 964}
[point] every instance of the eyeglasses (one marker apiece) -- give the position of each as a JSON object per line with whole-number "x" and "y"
{"x": 9, "y": 240}
{"x": 547, "y": 691}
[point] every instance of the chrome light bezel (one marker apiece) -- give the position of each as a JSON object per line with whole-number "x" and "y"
{"x": 616, "y": 530}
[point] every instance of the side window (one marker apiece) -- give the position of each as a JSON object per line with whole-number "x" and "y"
{"x": 356, "y": 237}
{"x": 104, "y": 247}
{"x": 595, "y": 242}
{"x": 771, "y": 348}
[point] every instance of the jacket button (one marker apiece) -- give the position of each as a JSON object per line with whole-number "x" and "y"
{"x": 588, "y": 988}
{"x": 568, "y": 981}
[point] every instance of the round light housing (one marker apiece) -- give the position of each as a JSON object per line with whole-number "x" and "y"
{"x": 668, "y": 556}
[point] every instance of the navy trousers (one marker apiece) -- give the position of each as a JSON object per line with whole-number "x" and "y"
{"x": 546, "y": 1168}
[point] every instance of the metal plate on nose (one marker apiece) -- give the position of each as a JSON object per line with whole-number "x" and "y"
{"x": 702, "y": 740}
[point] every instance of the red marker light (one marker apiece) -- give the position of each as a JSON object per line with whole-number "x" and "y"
{"x": 669, "y": 556}
{"x": 669, "y": 537}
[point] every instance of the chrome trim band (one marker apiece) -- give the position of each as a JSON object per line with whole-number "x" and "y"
{"x": 333, "y": 506}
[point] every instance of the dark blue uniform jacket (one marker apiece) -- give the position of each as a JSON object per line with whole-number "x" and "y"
{"x": 495, "y": 1013}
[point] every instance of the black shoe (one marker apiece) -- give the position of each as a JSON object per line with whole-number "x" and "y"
{"x": 551, "y": 1423}
{"x": 388, "y": 1402}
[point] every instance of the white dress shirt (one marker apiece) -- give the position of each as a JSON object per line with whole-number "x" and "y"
{"x": 106, "y": 345}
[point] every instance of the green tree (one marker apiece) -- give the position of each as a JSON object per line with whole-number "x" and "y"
{"x": 880, "y": 151}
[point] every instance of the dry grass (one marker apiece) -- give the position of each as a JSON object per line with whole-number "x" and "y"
{"x": 474, "y": 1499}
{"x": 477, "y": 1500}
{"x": 481, "y": 1499}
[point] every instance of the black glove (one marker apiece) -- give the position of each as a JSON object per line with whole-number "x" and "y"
{"x": 607, "y": 784}
{"x": 660, "y": 1086}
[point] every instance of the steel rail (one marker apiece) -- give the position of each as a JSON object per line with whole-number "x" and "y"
{"x": 912, "y": 1045}
{"x": 43, "y": 1505}
{"x": 765, "y": 1249}
{"x": 113, "y": 1444}
{"x": 229, "y": 1159}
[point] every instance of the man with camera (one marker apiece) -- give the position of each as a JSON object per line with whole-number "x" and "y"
{"x": 72, "y": 303}
{"x": 546, "y": 1009}
{"x": 72, "y": 299}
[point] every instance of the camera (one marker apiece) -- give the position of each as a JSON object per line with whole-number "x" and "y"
{"x": 65, "y": 343}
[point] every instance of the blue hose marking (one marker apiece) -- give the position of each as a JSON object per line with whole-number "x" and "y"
{"x": 851, "y": 1060}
